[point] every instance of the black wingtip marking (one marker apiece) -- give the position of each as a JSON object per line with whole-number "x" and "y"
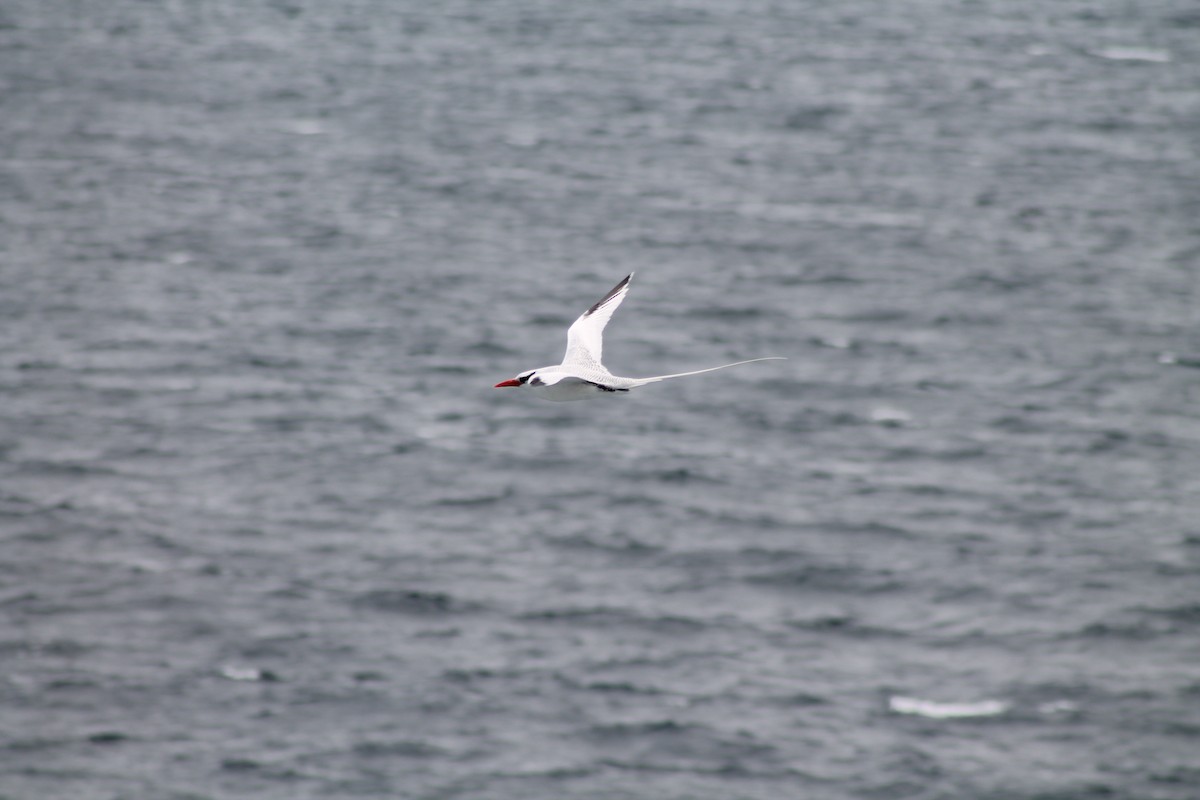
{"x": 624, "y": 282}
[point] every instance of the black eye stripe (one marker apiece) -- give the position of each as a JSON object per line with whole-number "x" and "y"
{"x": 523, "y": 378}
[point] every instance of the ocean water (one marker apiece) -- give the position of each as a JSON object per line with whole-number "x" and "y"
{"x": 268, "y": 532}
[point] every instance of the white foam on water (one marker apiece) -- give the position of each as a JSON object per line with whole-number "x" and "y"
{"x": 932, "y": 709}
{"x": 1133, "y": 54}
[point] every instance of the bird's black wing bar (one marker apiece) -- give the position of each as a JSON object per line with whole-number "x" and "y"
{"x": 604, "y": 388}
{"x": 610, "y": 295}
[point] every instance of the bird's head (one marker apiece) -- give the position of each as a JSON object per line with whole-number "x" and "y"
{"x": 526, "y": 378}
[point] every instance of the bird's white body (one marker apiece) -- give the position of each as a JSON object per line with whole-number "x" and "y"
{"x": 581, "y": 375}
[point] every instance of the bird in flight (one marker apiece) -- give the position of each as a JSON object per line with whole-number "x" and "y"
{"x": 581, "y": 375}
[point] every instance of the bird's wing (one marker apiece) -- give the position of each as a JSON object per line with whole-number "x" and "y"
{"x": 585, "y": 337}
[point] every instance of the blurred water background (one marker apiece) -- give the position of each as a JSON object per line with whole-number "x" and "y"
{"x": 268, "y": 532}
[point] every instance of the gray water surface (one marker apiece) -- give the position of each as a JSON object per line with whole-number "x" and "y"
{"x": 268, "y": 532}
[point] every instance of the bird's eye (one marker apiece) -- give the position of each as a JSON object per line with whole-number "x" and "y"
{"x": 524, "y": 378}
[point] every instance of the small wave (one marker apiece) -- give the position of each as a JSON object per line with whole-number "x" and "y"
{"x": 1171, "y": 358}
{"x": 474, "y": 500}
{"x": 615, "y": 687}
{"x": 607, "y": 617}
{"x": 868, "y": 528}
{"x": 63, "y": 468}
{"x": 1143, "y": 623}
{"x": 1145, "y": 54}
{"x": 670, "y": 746}
{"x": 636, "y": 500}
{"x": 403, "y": 748}
{"x": 841, "y": 624}
{"x": 1187, "y": 614}
{"x": 842, "y": 216}
{"x": 407, "y": 601}
{"x": 673, "y": 475}
{"x": 964, "y": 452}
{"x": 33, "y": 745}
{"x": 827, "y": 578}
{"x": 247, "y": 674}
{"x": 889, "y": 416}
{"x": 932, "y": 709}
{"x": 624, "y": 730}
{"x": 1124, "y": 629}
{"x": 621, "y": 545}
{"x": 728, "y": 313}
